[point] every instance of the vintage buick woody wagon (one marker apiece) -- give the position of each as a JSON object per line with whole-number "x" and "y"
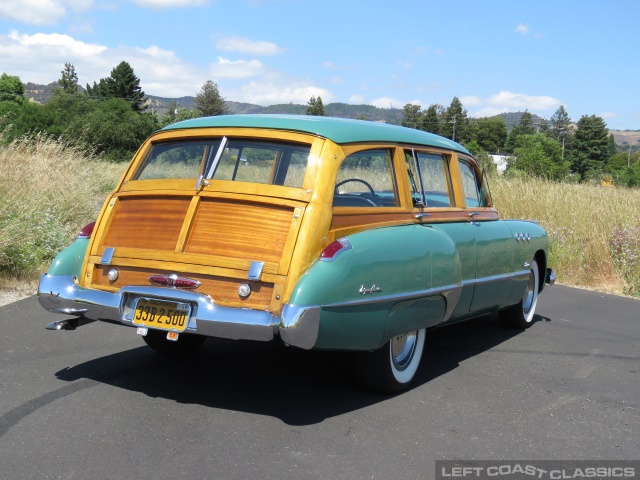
{"x": 323, "y": 233}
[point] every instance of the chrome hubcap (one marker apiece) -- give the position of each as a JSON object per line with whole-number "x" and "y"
{"x": 402, "y": 349}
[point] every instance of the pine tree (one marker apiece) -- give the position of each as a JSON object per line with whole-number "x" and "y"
{"x": 560, "y": 123}
{"x": 122, "y": 83}
{"x": 455, "y": 122}
{"x": 315, "y": 107}
{"x": 209, "y": 101}
{"x": 431, "y": 120}
{"x": 591, "y": 146}
{"x": 69, "y": 79}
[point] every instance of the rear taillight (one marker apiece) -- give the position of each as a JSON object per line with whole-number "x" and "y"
{"x": 87, "y": 230}
{"x": 334, "y": 249}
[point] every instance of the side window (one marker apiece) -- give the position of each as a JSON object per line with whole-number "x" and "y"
{"x": 366, "y": 179}
{"x": 471, "y": 186}
{"x": 429, "y": 171}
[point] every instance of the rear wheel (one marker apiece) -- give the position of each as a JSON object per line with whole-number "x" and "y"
{"x": 392, "y": 367}
{"x": 521, "y": 314}
{"x": 186, "y": 343}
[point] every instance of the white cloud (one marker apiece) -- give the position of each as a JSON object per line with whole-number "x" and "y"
{"x": 508, "y": 102}
{"x": 244, "y": 45}
{"x": 228, "y": 69}
{"x": 608, "y": 115}
{"x": 40, "y": 12}
{"x": 404, "y": 64}
{"x": 163, "y": 4}
{"x": 523, "y": 29}
{"x": 39, "y": 58}
{"x": 269, "y": 93}
{"x": 356, "y": 100}
{"x": 387, "y": 102}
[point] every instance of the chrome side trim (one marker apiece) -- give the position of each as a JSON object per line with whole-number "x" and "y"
{"x": 498, "y": 278}
{"x": 397, "y": 297}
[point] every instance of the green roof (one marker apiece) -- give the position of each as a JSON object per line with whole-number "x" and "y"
{"x": 339, "y": 130}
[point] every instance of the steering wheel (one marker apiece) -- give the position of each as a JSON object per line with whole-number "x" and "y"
{"x": 371, "y": 190}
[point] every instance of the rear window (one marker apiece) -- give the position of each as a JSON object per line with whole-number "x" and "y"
{"x": 240, "y": 160}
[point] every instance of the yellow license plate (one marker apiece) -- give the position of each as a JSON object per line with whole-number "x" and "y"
{"x": 160, "y": 314}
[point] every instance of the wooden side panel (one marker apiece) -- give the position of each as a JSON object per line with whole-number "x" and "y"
{"x": 240, "y": 229}
{"x": 151, "y": 223}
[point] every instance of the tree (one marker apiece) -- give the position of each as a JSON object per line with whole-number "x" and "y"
{"x": 591, "y": 147}
{"x": 431, "y": 119}
{"x": 525, "y": 127}
{"x": 540, "y": 156}
{"x": 123, "y": 84}
{"x": 11, "y": 89}
{"x": 413, "y": 116}
{"x": 209, "y": 101}
{"x": 491, "y": 133}
{"x": 69, "y": 79}
{"x": 560, "y": 124}
{"x": 455, "y": 122}
{"x": 315, "y": 107}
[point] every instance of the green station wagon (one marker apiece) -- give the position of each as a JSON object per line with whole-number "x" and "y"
{"x": 318, "y": 232}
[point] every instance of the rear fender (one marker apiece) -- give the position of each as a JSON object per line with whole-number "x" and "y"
{"x": 377, "y": 288}
{"x": 70, "y": 260}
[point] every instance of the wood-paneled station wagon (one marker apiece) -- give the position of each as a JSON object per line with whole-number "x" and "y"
{"x": 319, "y": 232}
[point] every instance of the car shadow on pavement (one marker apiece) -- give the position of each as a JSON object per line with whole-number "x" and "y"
{"x": 298, "y": 387}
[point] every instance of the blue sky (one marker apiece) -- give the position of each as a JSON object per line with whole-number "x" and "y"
{"x": 496, "y": 56}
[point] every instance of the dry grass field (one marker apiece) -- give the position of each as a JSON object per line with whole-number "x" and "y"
{"x": 626, "y": 137}
{"x": 49, "y": 190}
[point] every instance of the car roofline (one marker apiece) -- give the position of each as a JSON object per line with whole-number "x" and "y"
{"x": 339, "y": 130}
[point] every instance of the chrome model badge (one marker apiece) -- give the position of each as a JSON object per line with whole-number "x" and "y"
{"x": 364, "y": 290}
{"x": 173, "y": 281}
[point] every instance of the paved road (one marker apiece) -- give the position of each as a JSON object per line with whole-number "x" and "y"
{"x": 97, "y": 404}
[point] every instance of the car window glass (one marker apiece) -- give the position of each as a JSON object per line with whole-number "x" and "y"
{"x": 175, "y": 159}
{"x": 277, "y": 163}
{"x": 470, "y": 185}
{"x": 366, "y": 179}
{"x": 434, "y": 172}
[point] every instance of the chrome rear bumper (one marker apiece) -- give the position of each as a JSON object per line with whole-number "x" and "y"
{"x": 296, "y": 325}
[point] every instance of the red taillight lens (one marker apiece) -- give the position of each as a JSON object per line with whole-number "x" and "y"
{"x": 334, "y": 249}
{"x": 87, "y": 230}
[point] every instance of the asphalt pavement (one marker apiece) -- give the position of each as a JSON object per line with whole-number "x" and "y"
{"x": 96, "y": 403}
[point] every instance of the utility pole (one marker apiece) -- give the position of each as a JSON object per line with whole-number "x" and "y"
{"x": 454, "y": 128}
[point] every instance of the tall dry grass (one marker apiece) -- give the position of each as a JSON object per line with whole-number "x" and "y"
{"x": 594, "y": 231}
{"x": 49, "y": 189}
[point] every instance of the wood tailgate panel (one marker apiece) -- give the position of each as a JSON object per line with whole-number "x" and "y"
{"x": 240, "y": 229}
{"x": 152, "y": 223}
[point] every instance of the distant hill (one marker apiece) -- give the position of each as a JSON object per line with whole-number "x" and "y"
{"x": 511, "y": 119}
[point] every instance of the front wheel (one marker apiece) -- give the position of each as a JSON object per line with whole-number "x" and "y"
{"x": 521, "y": 314}
{"x": 392, "y": 367}
{"x": 187, "y": 342}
